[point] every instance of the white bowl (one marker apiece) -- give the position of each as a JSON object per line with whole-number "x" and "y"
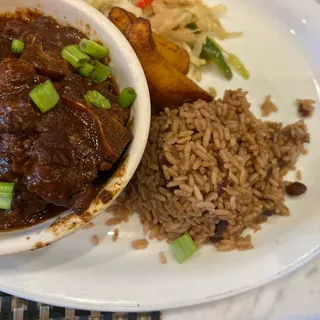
{"x": 127, "y": 72}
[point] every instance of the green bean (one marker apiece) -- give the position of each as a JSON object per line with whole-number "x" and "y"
{"x": 211, "y": 51}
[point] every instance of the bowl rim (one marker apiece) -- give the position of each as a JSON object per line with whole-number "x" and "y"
{"x": 40, "y": 236}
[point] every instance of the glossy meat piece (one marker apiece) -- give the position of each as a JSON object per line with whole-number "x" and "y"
{"x": 55, "y": 37}
{"x": 75, "y": 141}
{"x": 74, "y": 87}
{"x": 66, "y": 155}
{"x": 116, "y": 136}
{"x": 30, "y": 202}
{"x": 53, "y": 158}
{"x": 122, "y": 114}
{"x": 52, "y": 36}
{"x": 43, "y": 63}
{"x": 18, "y": 116}
{"x": 12, "y": 156}
{"x": 34, "y": 211}
{"x": 112, "y": 135}
{"x": 17, "y": 79}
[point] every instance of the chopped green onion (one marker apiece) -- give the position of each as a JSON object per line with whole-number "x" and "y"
{"x": 6, "y": 194}
{"x": 45, "y": 96}
{"x": 183, "y": 247}
{"x": 86, "y": 69}
{"x": 101, "y": 72}
{"x": 237, "y": 64}
{"x": 6, "y": 187}
{"x": 97, "y": 99}
{"x": 93, "y": 49}
{"x": 17, "y": 46}
{"x": 212, "y": 52}
{"x": 5, "y": 203}
{"x": 74, "y": 55}
{"x": 127, "y": 97}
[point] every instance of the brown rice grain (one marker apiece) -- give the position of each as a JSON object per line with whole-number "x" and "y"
{"x": 206, "y": 138}
{"x": 220, "y": 212}
{"x": 139, "y": 244}
{"x": 95, "y": 240}
{"x": 115, "y": 234}
{"x": 196, "y": 164}
{"x": 299, "y": 175}
{"x": 162, "y": 257}
{"x": 197, "y": 193}
{"x": 186, "y": 188}
{"x": 113, "y": 221}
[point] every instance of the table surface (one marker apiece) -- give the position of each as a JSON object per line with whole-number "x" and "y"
{"x": 294, "y": 297}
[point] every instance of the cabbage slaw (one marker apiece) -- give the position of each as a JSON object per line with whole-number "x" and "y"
{"x": 171, "y": 18}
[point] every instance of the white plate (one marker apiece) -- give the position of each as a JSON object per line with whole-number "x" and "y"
{"x": 280, "y": 46}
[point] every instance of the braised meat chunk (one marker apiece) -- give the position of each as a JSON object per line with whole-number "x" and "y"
{"x": 53, "y": 148}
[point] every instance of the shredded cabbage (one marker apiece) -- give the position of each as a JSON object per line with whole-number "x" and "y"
{"x": 169, "y": 19}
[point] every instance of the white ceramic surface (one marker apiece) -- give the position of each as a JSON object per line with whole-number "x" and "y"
{"x": 127, "y": 72}
{"x": 294, "y": 297}
{"x": 281, "y": 48}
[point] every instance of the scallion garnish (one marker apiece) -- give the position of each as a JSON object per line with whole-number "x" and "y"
{"x": 93, "y": 49}
{"x": 5, "y": 203}
{"x": 127, "y": 97}
{"x": 17, "y": 46}
{"x": 45, "y": 96}
{"x": 101, "y": 72}
{"x": 86, "y": 69}
{"x": 97, "y": 99}
{"x": 6, "y": 194}
{"x": 74, "y": 55}
{"x": 183, "y": 247}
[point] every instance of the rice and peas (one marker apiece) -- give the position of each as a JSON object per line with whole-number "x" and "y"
{"x": 213, "y": 170}
{"x": 210, "y": 170}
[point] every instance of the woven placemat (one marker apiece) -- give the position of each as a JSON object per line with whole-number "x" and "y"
{"x": 14, "y": 308}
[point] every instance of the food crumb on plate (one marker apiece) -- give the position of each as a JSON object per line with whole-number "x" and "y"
{"x": 268, "y": 107}
{"x": 115, "y": 234}
{"x": 139, "y": 244}
{"x": 213, "y": 92}
{"x": 95, "y": 240}
{"x": 162, "y": 257}
{"x": 299, "y": 175}
{"x": 305, "y": 107}
{"x": 113, "y": 221}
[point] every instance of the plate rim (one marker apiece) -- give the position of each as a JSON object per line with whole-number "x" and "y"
{"x": 70, "y": 303}
{"x": 177, "y": 303}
